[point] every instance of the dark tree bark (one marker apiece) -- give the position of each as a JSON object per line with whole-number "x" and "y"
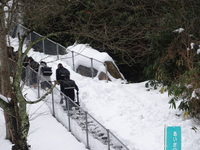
{"x": 12, "y": 100}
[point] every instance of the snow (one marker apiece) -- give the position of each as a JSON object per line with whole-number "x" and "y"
{"x": 192, "y": 45}
{"x": 52, "y": 134}
{"x": 135, "y": 114}
{"x": 86, "y": 50}
{"x": 198, "y": 51}
{"x": 5, "y": 99}
{"x": 179, "y": 30}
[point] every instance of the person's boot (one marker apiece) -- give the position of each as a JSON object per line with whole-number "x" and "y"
{"x": 61, "y": 100}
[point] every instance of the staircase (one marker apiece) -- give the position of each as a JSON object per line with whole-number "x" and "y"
{"x": 78, "y": 121}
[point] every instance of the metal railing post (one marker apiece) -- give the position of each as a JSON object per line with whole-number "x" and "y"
{"x": 38, "y": 85}
{"x": 53, "y": 106}
{"x": 43, "y": 47}
{"x": 108, "y": 135}
{"x": 106, "y": 72}
{"x": 69, "y": 121}
{"x": 27, "y": 76}
{"x": 57, "y": 51}
{"x": 86, "y": 129}
{"x": 30, "y": 37}
{"x": 92, "y": 68}
{"x": 73, "y": 61}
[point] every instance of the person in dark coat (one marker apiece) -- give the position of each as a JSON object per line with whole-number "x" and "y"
{"x": 44, "y": 79}
{"x": 34, "y": 70}
{"x": 69, "y": 90}
{"x": 60, "y": 77}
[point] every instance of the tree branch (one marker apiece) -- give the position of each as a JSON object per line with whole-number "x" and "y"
{"x": 44, "y": 96}
{"x": 4, "y": 101}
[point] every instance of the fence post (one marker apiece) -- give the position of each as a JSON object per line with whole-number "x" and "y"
{"x": 108, "y": 135}
{"x": 57, "y": 50}
{"x": 53, "y": 106}
{"x": 30, "y": 37}
{"x": 106, "y": 72}
{"x": 27, "y": 76}
{"x": 73, "y": 61}
{"x": 86, "y": 129}
{"x": 67, "y": 103}
{"x": 38, "y": 85}
{"x": 43, "y": 47}
{"x": 92, "y": 68}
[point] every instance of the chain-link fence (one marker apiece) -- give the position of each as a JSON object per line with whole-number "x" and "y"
{"x": 78, "y": 121}
{"x": 83, "y": 125}
{"x": 49, "y": 47}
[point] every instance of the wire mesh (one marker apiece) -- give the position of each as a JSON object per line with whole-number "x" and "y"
{"x": 85, "y": 128}
{"x": 116, "y": 143}
{"x": 49, "y": 47}
{"x": 38, "y": 47}
{"x": 87, "y": 66}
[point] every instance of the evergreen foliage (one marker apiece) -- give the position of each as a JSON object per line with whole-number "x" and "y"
{"x": 140, "y": 34}
{"x": 177, "y": 63}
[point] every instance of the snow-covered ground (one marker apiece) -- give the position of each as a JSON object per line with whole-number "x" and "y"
{"x": 137, "y": 116}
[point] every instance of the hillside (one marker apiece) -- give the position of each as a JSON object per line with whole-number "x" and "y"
{"x": 137, "y": 116}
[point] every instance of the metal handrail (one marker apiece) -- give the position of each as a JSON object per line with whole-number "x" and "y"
{"x": 87, "y": 114}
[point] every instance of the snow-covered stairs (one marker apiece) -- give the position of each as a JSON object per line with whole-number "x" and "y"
{"x": 93, "y": 128}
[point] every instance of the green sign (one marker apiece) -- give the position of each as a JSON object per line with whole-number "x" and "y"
{"x": 173, "y": 138}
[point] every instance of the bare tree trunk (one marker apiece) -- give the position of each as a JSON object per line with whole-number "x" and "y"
{"x": 17, "y": 123}
{"x": 4, "y": 72}
{"x": 16, "y": 117}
